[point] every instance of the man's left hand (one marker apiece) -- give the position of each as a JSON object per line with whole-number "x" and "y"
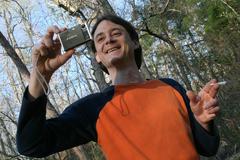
{"x": 204, "y": 105}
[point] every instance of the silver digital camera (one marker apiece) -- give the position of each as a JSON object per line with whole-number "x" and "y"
{"x": 74, "y": 37}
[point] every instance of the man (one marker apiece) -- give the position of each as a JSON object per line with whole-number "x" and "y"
{"x": 131, "y": 119}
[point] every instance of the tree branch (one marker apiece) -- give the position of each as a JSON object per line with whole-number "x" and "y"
{"x": 165, "y": 7}
{"x": 157, "y": 35}
{"x": 15, "y": 58}
{"x": 10, "y": 118}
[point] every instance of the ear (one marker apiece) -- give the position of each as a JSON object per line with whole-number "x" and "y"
{"x": 97, "y": 57}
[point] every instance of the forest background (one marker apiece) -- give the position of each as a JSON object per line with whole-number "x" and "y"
{"x": 191, "y": 41}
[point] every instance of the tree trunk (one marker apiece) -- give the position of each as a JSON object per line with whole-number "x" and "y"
{"x": 15, "y": 58}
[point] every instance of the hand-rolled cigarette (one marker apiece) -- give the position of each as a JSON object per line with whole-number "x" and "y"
{"x": 219, "y": 83}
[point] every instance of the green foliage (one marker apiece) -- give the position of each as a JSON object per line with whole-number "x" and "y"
{"x": 203, "y": 38}
{"x": 216, "y": 20}
{"x": 186, "y": 23}
{"x": 146, "y": 41}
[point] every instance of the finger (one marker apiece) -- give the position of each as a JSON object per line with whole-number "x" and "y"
{"x": 49, "y": 67}
{"x": 63, "y": 29}
{"x": 53, "y": 29}
{"x": 214, "y": 110}
{"x": 64, "y": 57}
{"x": 57, "y": 42}
{"x": 193, "y": 98}
{"x": 50, "y": 52}
{"x": 43, "y": 50}
{"x": 214, "y": 90}
{"x": 55, "y": 63}
{"x": 48, "y": 37}
{"x": 56, "y": 48}
{"x": 209, "y": 85}
{"x": 211, "y": 116}
{"x": 211, "y": 103}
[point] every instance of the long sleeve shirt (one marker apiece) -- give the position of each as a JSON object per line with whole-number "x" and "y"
{"x": 151, "y": 120}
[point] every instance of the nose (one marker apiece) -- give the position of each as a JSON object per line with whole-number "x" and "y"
{"x": 110, "y": 39}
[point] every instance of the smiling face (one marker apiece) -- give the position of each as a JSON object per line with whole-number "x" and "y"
{"x": 114, "y": 47}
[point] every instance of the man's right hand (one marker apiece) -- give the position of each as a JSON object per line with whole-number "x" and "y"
{"x": 46, "y": 58}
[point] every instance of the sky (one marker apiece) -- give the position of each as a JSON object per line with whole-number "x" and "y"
{"x": 41, "y": 19}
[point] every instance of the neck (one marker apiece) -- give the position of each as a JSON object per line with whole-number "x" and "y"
{"x": 129, "y": 75}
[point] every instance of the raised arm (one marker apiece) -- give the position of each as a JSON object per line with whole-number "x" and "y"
{"x": 46, "y": 59}
{"x": 37, "y": 136}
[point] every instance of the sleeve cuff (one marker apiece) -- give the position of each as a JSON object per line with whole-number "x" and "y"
{"x": 207, "y": 142}
{"x": 212, "y": 128}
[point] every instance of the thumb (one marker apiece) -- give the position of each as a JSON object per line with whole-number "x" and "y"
{"x": 64, "y": 57}
{"x": 54, "y": 64}
{"x": 194, "y": 99}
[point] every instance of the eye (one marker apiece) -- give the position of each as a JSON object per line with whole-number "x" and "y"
{"x": 117, "y": 33}
{"x": 100, "y": 39}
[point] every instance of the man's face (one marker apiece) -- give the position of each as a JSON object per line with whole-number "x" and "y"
{"x": 114, "y": 46}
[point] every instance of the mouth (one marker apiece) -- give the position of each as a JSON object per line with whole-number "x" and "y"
{"x": 112, "y": 49}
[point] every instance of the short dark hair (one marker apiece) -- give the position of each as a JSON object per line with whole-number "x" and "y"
{"x": 129, "y": 28}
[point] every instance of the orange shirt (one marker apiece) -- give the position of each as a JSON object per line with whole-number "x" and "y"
{"x": 146, "y": 121}
{"x": 152, "y": 120}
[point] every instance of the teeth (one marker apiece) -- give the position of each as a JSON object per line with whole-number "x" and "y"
{"x": 110, "y": 50}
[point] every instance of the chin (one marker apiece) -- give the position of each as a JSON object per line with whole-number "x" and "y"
{"x": 116, "y": 60}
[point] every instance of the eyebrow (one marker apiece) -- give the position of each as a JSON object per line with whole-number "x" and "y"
{"x": 113, "y": 29}
{"x": 99, "y": 34}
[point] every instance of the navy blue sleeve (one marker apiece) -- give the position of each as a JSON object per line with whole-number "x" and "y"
{"x": 206, "y": 143}
{"x": 38, "y": 137}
